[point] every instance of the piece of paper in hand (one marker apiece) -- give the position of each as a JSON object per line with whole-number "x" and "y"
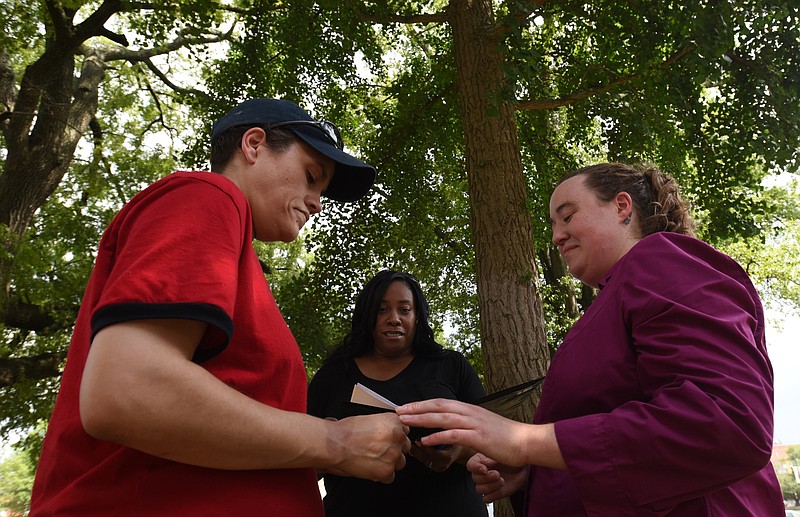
{"x": 363, "y": 395}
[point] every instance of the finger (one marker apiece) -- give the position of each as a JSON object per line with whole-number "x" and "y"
{"x": 442, "y": 452}
{"x": 491, "y": 491}
{"x": 447, "y": 437}
{"x": 400, "y": 464}
{"x": 431, "y": 406}
{"x": 443, "y": 420}
{"x": 423, "y": 406}
{"x": 387, "y": 480}
{"x": 491, "y": 476}
{"x": 491, "y": 480}
{"x": 477, "y": 469}
{"x": 493, "y": 496}
{"x": 480, "y": 463}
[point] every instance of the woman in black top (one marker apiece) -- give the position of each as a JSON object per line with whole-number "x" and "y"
{"x": 391, "y": 350}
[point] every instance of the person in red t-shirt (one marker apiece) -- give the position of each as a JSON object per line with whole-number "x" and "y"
{"x": 184, "y": 391}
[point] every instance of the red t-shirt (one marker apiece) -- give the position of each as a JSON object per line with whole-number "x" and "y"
{"x": 182, "y": 248}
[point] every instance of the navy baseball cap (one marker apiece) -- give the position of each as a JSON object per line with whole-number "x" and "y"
{"x": 352, "y": 178}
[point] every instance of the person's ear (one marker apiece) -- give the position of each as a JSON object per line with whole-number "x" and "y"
{"x": 252, "y": 139}
{"x": 624, "y": 205}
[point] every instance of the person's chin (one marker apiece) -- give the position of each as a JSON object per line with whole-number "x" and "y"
{"x": 577, "y": 272}
{"x": 290, "y": 237}
{"x": 288, "y": 234}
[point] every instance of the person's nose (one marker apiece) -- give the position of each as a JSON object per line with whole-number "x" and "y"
{"x": 559, "y": 236}
{"x": 394, "y": 318}
{"x": 314, "y": 203}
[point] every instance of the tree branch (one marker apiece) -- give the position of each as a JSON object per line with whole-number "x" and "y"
{"x": 61, "y": 20}
{"x": 579, "y": 95}
{"x": 447, "y": 240}
{"x": 94, "y": 24}
{"x": 523, "y": 11}
{"x": 42, "y": 366}
{"x": 384, "y": 18}
{"x": 157, "y": 101}
{"x": 119, "y": 53}
{"x": 164, "y": 79}
{"x": 149, "y": 6}
{"x": 119, "y": 39}
{"x": 26, "y": 316}
{"x": 8, "y": 87}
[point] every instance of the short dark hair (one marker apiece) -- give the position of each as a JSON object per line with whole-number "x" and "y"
{"x": 227, "y": 143}
{"x": 360, "y": 341}
{"x": 656, "y": 195}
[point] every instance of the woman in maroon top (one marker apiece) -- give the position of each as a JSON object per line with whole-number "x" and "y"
{"x": 659, "y": 400}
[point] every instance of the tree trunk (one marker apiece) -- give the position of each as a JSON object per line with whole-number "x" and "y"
{"x": 49, "y": 119}
{"x": 554, "y": 269}
{"x": 511, "y": 316}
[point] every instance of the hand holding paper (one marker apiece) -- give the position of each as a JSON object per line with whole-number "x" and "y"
{"x": 503, "y": 402}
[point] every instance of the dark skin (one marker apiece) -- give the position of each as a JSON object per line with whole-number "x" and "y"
{"x": 393, "y": 350}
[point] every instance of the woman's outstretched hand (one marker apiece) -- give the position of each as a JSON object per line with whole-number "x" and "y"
{"x": 506, "y": 441}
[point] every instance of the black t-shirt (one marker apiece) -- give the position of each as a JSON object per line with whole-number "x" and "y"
{"x": 416, "y": 491}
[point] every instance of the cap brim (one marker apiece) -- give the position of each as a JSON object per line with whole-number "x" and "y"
{"x": 352, "y": 178}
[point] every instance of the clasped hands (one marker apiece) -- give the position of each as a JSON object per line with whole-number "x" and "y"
{"x": 500, "y": 466}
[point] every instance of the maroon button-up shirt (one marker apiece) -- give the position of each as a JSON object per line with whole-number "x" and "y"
{"x": 661, "y": 393}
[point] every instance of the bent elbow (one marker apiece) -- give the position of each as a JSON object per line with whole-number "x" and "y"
{"x": 751, "y": 452}
{"x": 94, "y": 420}
{"x": 101, "y": 414}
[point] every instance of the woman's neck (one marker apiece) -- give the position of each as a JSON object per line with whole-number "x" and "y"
{"x": 383, "y": 368}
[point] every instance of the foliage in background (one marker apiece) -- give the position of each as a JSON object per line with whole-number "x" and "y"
{"x": 16, "y": 479}
{"x": 771, "y": 258}
{"x": 708, "y": 90}
{"x": 788, "y": 475}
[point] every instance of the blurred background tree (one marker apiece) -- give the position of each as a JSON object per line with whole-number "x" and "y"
{"x": 789, "y": 475}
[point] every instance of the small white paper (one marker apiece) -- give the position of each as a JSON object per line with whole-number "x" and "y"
{"x": 367, "y": 397}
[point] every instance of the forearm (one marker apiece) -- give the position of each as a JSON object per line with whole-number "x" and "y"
{"x": 140, "y": 389}
{"x": 540, "y": 447}
{"x": 176, "y": 410}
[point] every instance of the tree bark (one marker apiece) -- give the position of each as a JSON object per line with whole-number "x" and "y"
{"x": 44, "y": 125}
{"x": 512, "y": 320}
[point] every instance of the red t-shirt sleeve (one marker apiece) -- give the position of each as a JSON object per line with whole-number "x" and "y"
{"x": 174, "y": 253}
